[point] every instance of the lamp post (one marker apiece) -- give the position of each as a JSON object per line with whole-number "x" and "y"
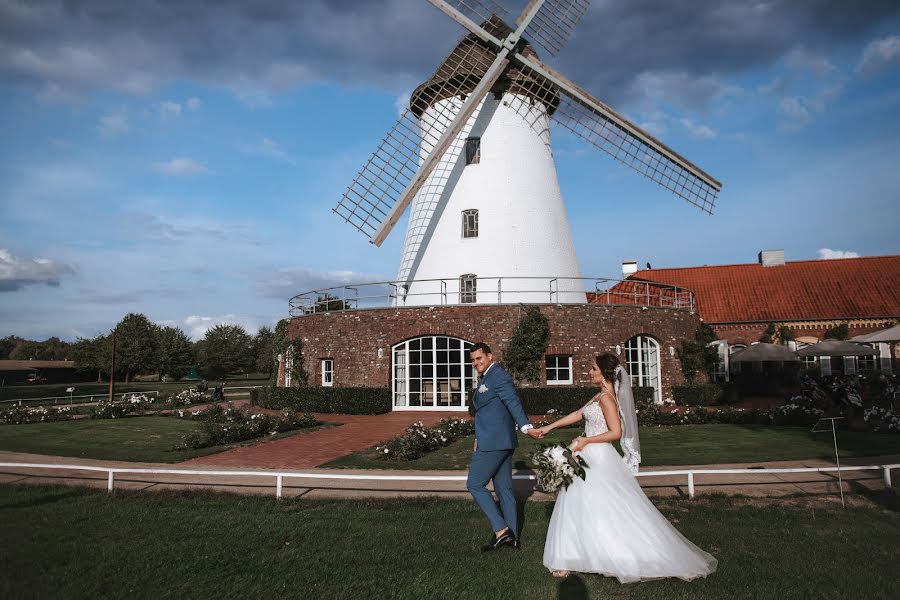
{"x": 112, "y": 369}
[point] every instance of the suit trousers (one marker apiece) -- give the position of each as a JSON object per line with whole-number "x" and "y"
{"x": 494, "y": 465}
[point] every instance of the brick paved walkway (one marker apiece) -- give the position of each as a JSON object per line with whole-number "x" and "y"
{"x": 306, "y": 450}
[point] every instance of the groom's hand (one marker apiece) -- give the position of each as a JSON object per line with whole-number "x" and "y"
{"x": 475, "y": 447}
{"x": 535, "y": 433}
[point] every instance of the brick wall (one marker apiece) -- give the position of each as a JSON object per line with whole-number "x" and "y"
{"x": 354, "y": 338}
{"x": 747, "y": 333}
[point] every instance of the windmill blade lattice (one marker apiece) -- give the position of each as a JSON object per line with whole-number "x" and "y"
{"x": 382, "y": 180}
{"x": 619, "y": 138}
{"x": 477, "y": 10}
{"x": 554, "y": 22}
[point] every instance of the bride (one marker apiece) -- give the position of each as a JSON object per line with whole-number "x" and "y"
{"x": 605, "y": 524}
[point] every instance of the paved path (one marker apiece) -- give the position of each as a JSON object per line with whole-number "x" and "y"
{"x": 305, "y": 450}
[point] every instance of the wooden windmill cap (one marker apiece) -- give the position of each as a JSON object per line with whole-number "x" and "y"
{"x": 464, "y": 68}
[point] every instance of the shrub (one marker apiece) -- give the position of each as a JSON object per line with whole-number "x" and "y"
{"x": 110, "y": 410}
{"x": 882, "y": 419}
{"x": 418, "y": 440}
{"x": 349, "y": 401}
{"x": 230, "y": 425}
{"x": 703, "y": 394}
{"x": 20, "y": 415}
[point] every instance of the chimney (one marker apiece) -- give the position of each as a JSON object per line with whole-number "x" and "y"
{"x": 629, "y": 267}
{"x": 771, "y": 258}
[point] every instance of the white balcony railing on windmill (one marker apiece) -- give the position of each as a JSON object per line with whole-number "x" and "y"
{"x": 452, "y": 291}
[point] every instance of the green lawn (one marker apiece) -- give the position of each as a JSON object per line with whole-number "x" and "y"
{"x": 68, "y": 542}
{"x": 669, "y": 446}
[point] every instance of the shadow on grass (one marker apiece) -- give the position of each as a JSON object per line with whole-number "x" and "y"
{"x": 572, "y": 588}
{"x": 48, "y": 497}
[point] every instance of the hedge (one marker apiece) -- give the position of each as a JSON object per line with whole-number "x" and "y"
{"x": 539, "y": 400}
{"x": 348, "y": 401}
{"x": 704, "y": 394}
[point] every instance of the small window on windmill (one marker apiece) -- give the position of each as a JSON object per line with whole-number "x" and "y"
{"x": 473, "y": 151}
{"x": 470, "y": 223}
{"x": 467, "y": 288}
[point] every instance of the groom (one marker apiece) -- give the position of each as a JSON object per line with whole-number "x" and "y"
{"x": 497, "y": 408}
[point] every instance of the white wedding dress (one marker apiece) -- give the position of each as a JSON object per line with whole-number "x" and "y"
{"x": 605, "y": 524}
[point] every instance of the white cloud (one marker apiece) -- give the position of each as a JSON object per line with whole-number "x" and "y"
{"x": 193, "y": 104}
{"x": 181, "y": 166}
{"x": 269, "y": 148}
{"x": 196, "y": 326}
{"x": 255, "y": 98}
{"x": 286, "y": 283}
{"x": 828, "y": 253}
{"x": 401, "y": 103}
{"x": 880, "y": 55}
{"x": 803, "y": 60}
{"x": 114, "y": 123}
{"x": 696, "y": 130}
{"x": 16, "y": 273}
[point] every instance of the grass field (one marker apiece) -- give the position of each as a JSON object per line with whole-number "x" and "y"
{"x": 680, "y": 445}
{"x": 137, "y": 439}
{"x": 63, "y": 542}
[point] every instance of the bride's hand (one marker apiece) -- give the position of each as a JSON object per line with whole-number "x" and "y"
{"x": 578, "y": 444}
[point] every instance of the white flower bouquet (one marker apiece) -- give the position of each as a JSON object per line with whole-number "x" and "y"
{"x": 557, "y": 467}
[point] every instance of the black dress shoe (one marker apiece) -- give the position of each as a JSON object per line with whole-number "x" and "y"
{"x": 508, "y": 537}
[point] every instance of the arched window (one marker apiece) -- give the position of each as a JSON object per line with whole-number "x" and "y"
{"x": 642, "y": 361}
{"x": 432, "y": 372}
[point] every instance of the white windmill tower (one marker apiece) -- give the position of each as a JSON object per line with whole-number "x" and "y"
{"x": 472, "y": 155}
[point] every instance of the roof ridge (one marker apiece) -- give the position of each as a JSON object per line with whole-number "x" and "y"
{"x": 756, "y": 264}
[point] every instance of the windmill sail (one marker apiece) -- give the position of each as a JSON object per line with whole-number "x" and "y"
{"x": 610, "y": 132}
{"x": 554, "y": 22}
{"x": 383, "y": 179}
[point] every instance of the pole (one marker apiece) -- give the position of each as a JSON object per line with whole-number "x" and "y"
{"x": 837, "y": 459}
{"x": 112, "y": 370}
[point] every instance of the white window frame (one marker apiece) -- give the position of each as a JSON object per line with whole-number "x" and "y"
{"x": 327, "y": 369}
{"x": 401, "y": 369}
{"x": 468, "y": 288}
{"x": 470, "y": 223}
{"x": 643, "y": 371}
{"x": 557, "y": 367}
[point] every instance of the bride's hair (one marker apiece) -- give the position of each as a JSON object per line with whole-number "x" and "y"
{"x": 608, "y": 363}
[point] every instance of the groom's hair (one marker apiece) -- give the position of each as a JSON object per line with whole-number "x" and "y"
{"x": 480, "y": 346}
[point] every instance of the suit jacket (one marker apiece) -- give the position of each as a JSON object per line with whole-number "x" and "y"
{"x": 498, "y": 411}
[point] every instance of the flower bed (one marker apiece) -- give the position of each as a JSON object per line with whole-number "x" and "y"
{"x": 20, "y": 415}
{"x": 418, "y": 440}
{"x": 230, "y": 425}
{"x": 882, "y": 419}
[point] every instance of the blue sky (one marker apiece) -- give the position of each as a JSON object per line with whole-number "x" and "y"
{"x": 182, "y": 161}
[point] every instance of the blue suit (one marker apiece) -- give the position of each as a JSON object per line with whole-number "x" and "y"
{"x": 498, "y": 414}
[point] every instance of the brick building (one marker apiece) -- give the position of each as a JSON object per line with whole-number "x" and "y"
{"x": 420, "y": 353}
{"x": 809, "y": 296}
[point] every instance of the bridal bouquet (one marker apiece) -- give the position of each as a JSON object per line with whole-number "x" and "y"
{"x": 556, "y": 467}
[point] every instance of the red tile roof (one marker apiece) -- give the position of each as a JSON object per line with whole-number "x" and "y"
{"x": 799, "y": 290}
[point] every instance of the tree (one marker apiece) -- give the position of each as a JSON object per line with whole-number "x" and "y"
{"x": 136, "y": 346}
{"x": 327, "y": 303}
{"x": 27, "y": 350}
{"x": 522, "y": 357}
{"x": 768, "y": 335}
{"x": 786, "y": 334}
{"x": 226, "y": 349}
{"x": 282, "y": 345}
{"x": 176, "y": 353}
{"x": 7, "y": 345}
{"x": 697, "y": 354}
{"x": 838, "y": 332}
{"x": 262, "y": 350}
{"x": 92, "y": 355}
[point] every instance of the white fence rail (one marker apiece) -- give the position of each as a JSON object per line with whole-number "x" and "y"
{"x": 69, "y": 399}
{"x": 280, "y": 476}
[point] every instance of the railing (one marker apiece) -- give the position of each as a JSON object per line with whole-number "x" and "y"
{"x": 280, "y": 476}
{"x": 70, "y": 399}
{"x": 492, "y": 290}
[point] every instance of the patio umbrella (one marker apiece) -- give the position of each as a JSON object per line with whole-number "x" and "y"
{"x": 836, "y": 348}
{"x": 763, "y": 352}
{"x": 889, "y": 335}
